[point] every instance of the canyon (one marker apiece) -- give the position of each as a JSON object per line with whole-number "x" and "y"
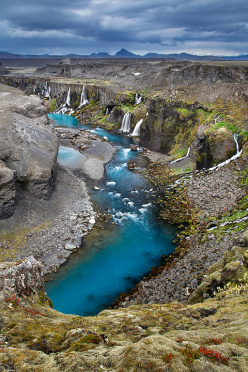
{"x": 190, "y": 313}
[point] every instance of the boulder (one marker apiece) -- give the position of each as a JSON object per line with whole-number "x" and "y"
{"x": 134, "y": 148}
{"x": 211, "y": 147}
{"x": 22, "y": 277}
{"x": 221, "y": 144}
{"x": 28, "y": 145}
{"x": 131, "y": 164}
{"x": 7, "y": 191}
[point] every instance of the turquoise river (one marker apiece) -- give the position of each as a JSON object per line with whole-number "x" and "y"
{"x": 111, "y": 262}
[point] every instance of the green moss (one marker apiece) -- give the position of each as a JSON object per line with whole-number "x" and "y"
{"x": 226, "y": 125}
{"x": 52, "y": 107}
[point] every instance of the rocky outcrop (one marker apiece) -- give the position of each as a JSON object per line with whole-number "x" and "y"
{"x": 212, "y": 147}
{"x": 115, "y": 116}
{"x": 7, "y": 191}
{"x": 230, "y": 270}
{"x": 27, "y": 145}
{"x": 21, "y": 278}
{"x": 3, "y": 70}
{"x": 165, "y": 121}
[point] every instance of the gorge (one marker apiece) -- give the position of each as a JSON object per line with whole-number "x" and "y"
{"x": 192, "y": 119}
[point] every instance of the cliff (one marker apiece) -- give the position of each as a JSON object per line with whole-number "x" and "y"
{"x": 31, "y": 161}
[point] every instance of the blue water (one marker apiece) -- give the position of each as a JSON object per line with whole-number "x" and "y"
{"x": 65, "y": 121}
{"x": 110, "y": 262}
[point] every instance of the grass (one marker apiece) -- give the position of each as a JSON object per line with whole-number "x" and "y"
{"x": 14, "y": 239}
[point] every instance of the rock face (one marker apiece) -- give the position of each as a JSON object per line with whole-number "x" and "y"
{"x": 166, "y": 121}
{"x": 232, "y": 267}
{"x": 22, "y": 278}
{"x": 7, "y": 191}
{"x": 3, "y": 70}
{"x": 212, "y": 147}
{"x": 27, "y": 146}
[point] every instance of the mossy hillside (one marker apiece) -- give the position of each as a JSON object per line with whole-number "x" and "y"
{"x": 171, "y": 125}
{"x": 139, "y": 338}
{"x": 11, "y": 240}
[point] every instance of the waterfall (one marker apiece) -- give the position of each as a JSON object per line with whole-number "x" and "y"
{"x": 136, "y": 131}
{"x": 83, "y": 98}
{"x": 138, "y": 99}
{"x": 174, "y": 161}
{"x": 125, "y": 125}
{"x": 47, "y": 91}
{"x": 68, "y": 99}
{"x": 236, "y": 136}
{"x": 234, "y": 157}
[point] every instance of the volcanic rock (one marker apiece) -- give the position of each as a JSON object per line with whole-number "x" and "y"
{"x": 27, "y": 145}
{"x": 7, "y": 191}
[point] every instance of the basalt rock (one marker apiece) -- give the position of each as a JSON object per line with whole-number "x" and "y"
{"x": 221, "y": 144}
{"x": 212, "y": 147}
{"x": 166, "y": 121}
{"x": 116, "y": 115}
{"x": 21, "y": 278}
{"x": 28, "y": 145}
{"x": 229, "y": 271}
{"x": 7, "y": 191}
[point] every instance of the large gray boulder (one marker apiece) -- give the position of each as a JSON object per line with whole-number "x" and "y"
{"x": 7, "y": 191}
{"x": 27, "y": 144}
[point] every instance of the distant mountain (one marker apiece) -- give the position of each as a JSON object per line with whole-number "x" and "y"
{"x": 100, "y": 55}
{"x": 238, "y": 58}
{"x": 8, "y": 55}
{"x": 123, "y": 53}
{"x": 184, "y": 57}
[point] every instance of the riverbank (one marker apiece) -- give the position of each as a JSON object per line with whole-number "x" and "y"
{"x": 50, "y": 228}
{"x": 207, "y": 197}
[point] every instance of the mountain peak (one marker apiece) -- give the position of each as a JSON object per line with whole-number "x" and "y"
{"x": 124, "y": 53}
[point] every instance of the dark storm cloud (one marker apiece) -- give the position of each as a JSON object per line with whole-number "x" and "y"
{"x": 161, "y": 25}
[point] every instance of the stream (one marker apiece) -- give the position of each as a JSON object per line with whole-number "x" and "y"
{"x": 113, "y": 260}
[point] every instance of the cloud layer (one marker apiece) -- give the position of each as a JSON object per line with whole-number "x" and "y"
{"x": 77, "y": 26}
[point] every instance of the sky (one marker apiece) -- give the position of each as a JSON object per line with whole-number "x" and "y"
{"x": 201, "y": 27}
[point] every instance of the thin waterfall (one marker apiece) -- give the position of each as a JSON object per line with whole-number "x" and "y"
{"x": 136, "y": 131}
{"x": 126, "y": 121}
{"x": 68, "y": 99}
{"x": 65, "y": 107}
{"x": 234, "y": 157}
{"x": 184, "y": 157}
{"x": 109, "y": 117}
{"x": 235, "y": 137}
{"x": 84, "y": 97}
{"x": 138, "y": 98}
{"x": 47, "y": 91}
